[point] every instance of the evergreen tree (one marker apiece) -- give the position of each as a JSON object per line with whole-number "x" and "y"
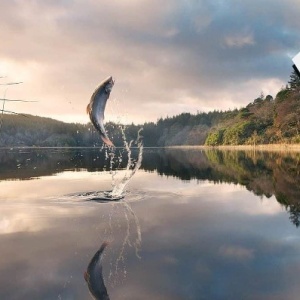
{"x": 294, "y": 81}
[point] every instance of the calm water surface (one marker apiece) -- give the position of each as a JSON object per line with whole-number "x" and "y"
{"x": 193, "y": 225}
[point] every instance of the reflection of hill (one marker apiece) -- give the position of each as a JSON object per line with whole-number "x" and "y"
{"x": 22, "y": 164}
{"x": 263, "y": 173}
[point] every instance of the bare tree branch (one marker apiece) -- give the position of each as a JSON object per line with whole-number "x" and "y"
{"x": 16, "y": 100}
{"x": 12, "y": 112}
{"x": 11, "y": 83}
{"x": 2, "y": 111}
{"x": 3, "y": 105}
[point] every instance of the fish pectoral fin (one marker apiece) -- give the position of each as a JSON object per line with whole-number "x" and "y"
{"x": 86, "y": 276}
{"x": 88, "y": 108}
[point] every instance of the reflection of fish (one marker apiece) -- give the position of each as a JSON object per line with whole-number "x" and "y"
{"x": 96, "y": 107}
{"x": 94, "y": 277}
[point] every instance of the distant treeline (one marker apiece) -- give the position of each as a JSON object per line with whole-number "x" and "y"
{"x": 28, "y": 130}
{"x": 265, "y": 120}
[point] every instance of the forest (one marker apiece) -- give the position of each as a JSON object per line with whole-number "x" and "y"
{"x": 265, "y": 120}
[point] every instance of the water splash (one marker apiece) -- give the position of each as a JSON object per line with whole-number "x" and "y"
{"x": 114, "y": 163}
{"x": 132, "y": 166}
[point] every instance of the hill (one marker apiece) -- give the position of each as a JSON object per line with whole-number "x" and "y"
{"x": 34, "y": 131}
{"x": 264, "y": 120}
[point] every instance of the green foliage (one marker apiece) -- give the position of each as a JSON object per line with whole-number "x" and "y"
{"x": 245, "y": 113}
{"x": 238, "y": 133}
{"x": 269, "y": 98}
{"x": 294, "y": 81}
{"x": 282, "y": 95}
{"x": 215, "y": 138}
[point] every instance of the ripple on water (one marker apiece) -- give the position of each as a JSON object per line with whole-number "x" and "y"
{"x": 102, "y": 197}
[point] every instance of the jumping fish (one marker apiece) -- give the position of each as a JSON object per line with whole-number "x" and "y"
{"x": 94, "y": 277}
{"x": 96, "y": 107}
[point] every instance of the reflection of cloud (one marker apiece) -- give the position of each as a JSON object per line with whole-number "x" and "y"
{"x": 197, "y": 240}
{"x": 18, "y": 222}
{"x": 234, "y": 198}
{"x": 24, "y": 203}
{"x": 216, "y": 244}
{"x": 62, "y": 183}
{"x": 28, "y": 217}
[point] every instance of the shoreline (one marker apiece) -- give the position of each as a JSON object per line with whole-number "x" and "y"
{"x": 263, "y": 147}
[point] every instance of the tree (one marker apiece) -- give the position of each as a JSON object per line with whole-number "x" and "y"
{"x": 215, "y": 138}
{"x": 294, "y": 81}
{"x": 294, "y": 211}
{"x": 254, "y": 138}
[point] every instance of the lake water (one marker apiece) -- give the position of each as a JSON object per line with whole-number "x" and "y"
{"x": 194, "y": 224}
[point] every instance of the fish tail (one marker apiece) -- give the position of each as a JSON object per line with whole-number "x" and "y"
{"x": 107, "y": 141}
{"x": 103, "y": 246}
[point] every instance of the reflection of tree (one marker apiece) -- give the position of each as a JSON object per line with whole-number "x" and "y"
{"x": 263, "y": 173}
{"x": 294, "y": 210}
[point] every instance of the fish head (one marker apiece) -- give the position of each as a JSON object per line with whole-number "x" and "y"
{"x": 108, "y": 84}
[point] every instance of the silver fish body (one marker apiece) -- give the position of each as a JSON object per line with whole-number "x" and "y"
{"x": 94, "y": 277}
{"x": 96, "y": 107}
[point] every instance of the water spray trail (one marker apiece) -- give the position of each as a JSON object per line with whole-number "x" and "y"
{"x": 128, "y": 149}
{"x": 132, "y": 226}
{"x": 131, "y": 238}
{"x": 111, "y": 166}
{"x": 138, "y": 240}
{"x": 119, "y": 188}
{"x": 126, "y": 241}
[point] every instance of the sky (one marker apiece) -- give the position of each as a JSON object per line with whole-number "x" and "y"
{"x": 166, "y": 57}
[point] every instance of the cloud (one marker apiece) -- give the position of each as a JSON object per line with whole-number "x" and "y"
{"x": 183, "y": 55}
{"x": 236, "y": 253}
{"x": 239, "y": 40}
